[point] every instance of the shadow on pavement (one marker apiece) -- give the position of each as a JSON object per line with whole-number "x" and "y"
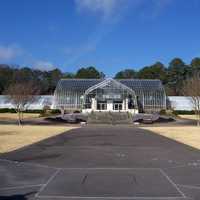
{"x": 17, "y": 196}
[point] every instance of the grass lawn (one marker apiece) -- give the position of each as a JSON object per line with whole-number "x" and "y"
{"x": 189, "y": 135}
{"x": 14, "y": 116}
{"x": 13, "y": 137}
{"x": 194, "y": 117}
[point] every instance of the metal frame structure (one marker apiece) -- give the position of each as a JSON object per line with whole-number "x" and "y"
{"x": 110, "y": 95}
{"x": 77, "y": 94}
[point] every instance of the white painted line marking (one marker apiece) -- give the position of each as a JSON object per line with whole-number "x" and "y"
{"x": 111, "y": 168}
{"x": 49, "y": 180}
{"x": 189, "y": 186}
{"x": 106, "y": 197}
{"x": 174, "y": 184}
{"x": 178, "y": 166}
{"x": 59, "y": 169}
{"x": 127, "y": 198}
{"x": 76, "y": 168}
{"x": 21, "y": 187}
{"x": 182, "y": 166}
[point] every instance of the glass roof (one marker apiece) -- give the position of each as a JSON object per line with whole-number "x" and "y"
{"x": 134, "y": 84}
{"x": 109, "y": 84}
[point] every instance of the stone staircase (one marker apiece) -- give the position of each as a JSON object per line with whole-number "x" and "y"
{"x": 110, "y": 118}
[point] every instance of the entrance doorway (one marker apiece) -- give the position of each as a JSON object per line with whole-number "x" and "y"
{"x": 101, "y": 105}
{"x": 117, "y": 105}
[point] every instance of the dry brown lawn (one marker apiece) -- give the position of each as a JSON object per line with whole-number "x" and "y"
{"x": 194, "y": 117}
{"x": 14, "y": 116}
{"x": 189, "y": 135}
{"x": 13, "y": 137}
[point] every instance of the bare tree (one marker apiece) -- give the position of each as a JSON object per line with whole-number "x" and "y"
{"x": 21, "y": 95}
{"x": 191, "y": 88}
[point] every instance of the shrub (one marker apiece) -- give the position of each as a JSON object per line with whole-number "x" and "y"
{"x": 77, "y": 111}
{"x": 162, "y": 112}
{"x": 55, "y": 111}
{"x": 12, "y": 110}
{"x": 33, "y": 111}
{"x": 7, "y": 110}
{"x": 183, "y": 112}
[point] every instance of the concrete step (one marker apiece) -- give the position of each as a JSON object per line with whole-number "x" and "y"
{"x": 109, "y": 118}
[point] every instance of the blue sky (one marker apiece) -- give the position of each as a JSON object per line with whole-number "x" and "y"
{"x": 109, "y": 34}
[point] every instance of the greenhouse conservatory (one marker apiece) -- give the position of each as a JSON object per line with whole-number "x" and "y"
{"x": 117, "y": 95}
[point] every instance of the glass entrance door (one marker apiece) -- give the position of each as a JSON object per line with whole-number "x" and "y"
{"x": 101, "y": 105}
{"x": 117, "y": 105}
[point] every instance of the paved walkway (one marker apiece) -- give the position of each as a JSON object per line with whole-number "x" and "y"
{"x": 103, "y": 162}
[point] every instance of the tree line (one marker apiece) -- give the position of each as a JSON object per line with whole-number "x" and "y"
{"x": 172, "y": 76}
{"x": 46, "y": 81}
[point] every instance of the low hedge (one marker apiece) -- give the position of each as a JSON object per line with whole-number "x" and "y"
{"x": 33, "y": 111}
{"x": 55, "y": 111}
{"x": 7, "y": 110}
{"x": 183, "y": 112}
{"x": 12, "y": 110}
